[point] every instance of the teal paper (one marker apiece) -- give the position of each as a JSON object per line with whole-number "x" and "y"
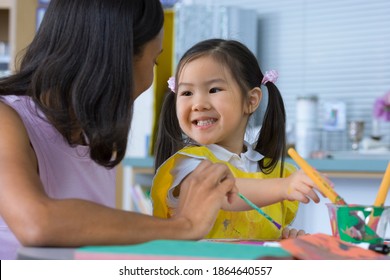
{"x": 191, "y": 249}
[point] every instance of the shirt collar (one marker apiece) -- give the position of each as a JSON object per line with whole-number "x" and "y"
{"x": 226, "y": 155}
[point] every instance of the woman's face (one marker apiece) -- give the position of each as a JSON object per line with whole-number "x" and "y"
{"x": 144, "y": 64}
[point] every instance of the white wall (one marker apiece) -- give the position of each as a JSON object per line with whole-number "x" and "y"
{"x": 141, "y": 126}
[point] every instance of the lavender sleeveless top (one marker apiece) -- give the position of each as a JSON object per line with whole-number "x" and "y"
{"x": 66, "y": 172}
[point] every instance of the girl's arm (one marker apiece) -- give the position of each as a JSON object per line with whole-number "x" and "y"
{"x": 38, "y": 220}
{"x": 263, "y": 192}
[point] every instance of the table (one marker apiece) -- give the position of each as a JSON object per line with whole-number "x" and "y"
{"x": 47, "y": 253}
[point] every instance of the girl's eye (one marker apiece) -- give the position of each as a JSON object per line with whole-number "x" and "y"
{"x": 215, "y": 90}
{"x": 186, "y": 93}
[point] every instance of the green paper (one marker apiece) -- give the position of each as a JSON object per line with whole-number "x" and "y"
{"x": 190, "y": 249}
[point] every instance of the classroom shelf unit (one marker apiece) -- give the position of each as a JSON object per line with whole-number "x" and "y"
{"x": 17, "y": 26}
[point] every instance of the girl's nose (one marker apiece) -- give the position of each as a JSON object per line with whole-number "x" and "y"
{"x": 201, "y": 103}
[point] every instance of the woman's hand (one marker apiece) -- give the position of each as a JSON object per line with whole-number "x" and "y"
{"x": 202, "y": 194}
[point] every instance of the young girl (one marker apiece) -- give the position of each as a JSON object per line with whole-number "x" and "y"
{"x": 205, "y": 116}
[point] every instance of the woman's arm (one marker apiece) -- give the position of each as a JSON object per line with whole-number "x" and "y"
{"x": 38, "y": 220}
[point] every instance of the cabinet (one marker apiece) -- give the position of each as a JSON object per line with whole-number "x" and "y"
{"x": 17, "y": 27}
{"x": 4, "y": 34}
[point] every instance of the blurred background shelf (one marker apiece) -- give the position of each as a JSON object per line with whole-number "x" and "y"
{"x": 17, "y": 25}
{"x": 4, "y": 4}
{"x": 362, "y": 155}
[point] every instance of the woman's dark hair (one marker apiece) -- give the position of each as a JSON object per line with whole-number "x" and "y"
{"x": 79, "y": 69}
{"x": 244, "y": 67}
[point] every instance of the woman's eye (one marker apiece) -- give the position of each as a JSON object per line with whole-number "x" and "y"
{"x": 214, "y": 90}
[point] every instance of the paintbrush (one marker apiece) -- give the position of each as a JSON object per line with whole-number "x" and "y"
{"x": 383, "y": 189}
{"x": 328, "y": 191}
{"x": 254, "y": 206}
{"x": 381, "y": 196}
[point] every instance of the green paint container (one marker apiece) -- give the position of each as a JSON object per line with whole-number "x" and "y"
{"x": 359, "y": 223}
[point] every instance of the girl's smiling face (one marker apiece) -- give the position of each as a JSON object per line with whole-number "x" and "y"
{"x": 210, "y": 106}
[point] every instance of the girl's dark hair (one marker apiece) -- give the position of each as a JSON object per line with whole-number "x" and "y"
{"x": 79, "y": 69}
{"x": 244, "y": 67}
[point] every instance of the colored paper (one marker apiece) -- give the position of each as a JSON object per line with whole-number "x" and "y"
{"x": 178, "y": 249}
{"x": 325, "y": 247}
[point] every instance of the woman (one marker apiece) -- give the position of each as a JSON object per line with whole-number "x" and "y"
{"x": 65, "y": 118}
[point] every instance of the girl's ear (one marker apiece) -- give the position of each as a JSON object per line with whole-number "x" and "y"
{"x": 253, "y": 101}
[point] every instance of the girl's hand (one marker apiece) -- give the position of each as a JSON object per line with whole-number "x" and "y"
{"x": 292, "y": 233}
{"x": 299, "y": 186}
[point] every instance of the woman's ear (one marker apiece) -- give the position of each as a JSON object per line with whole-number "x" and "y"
{"x": 253, "y": 101}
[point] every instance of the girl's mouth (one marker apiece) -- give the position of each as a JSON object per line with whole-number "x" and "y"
{"x": 203, "y": 123}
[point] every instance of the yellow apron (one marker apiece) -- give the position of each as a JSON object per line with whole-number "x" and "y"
{"x": 229, "y": 224}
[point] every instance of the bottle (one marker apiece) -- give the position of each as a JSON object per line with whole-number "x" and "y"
{"x": 306, "y": 127}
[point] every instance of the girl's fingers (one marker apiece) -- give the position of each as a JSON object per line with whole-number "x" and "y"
{"x": 304, "y": 193}
{"x": 300, "y": 197}
{"x": 313, "y": 196}
{"x": 292, "y": 233}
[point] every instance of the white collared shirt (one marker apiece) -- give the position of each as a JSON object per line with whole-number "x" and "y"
{"x": 247, "y": 161}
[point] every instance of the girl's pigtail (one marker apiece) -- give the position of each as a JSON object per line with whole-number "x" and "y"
{"x": 169, "y": 136}
{"x": 272, "y": 137}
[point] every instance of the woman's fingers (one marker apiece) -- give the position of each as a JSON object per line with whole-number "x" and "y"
{"x": 202, "y": 194}
{"x": 229, "y": 183}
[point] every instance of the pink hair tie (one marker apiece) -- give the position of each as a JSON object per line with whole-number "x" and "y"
{"x": 270, "y": 76}
{"x": 172, "y": 83}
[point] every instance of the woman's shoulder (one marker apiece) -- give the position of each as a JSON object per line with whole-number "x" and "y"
{"x": 11, "y": 119}
{"x": 16, "y": 106}
{"x": 13, "y": 133}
